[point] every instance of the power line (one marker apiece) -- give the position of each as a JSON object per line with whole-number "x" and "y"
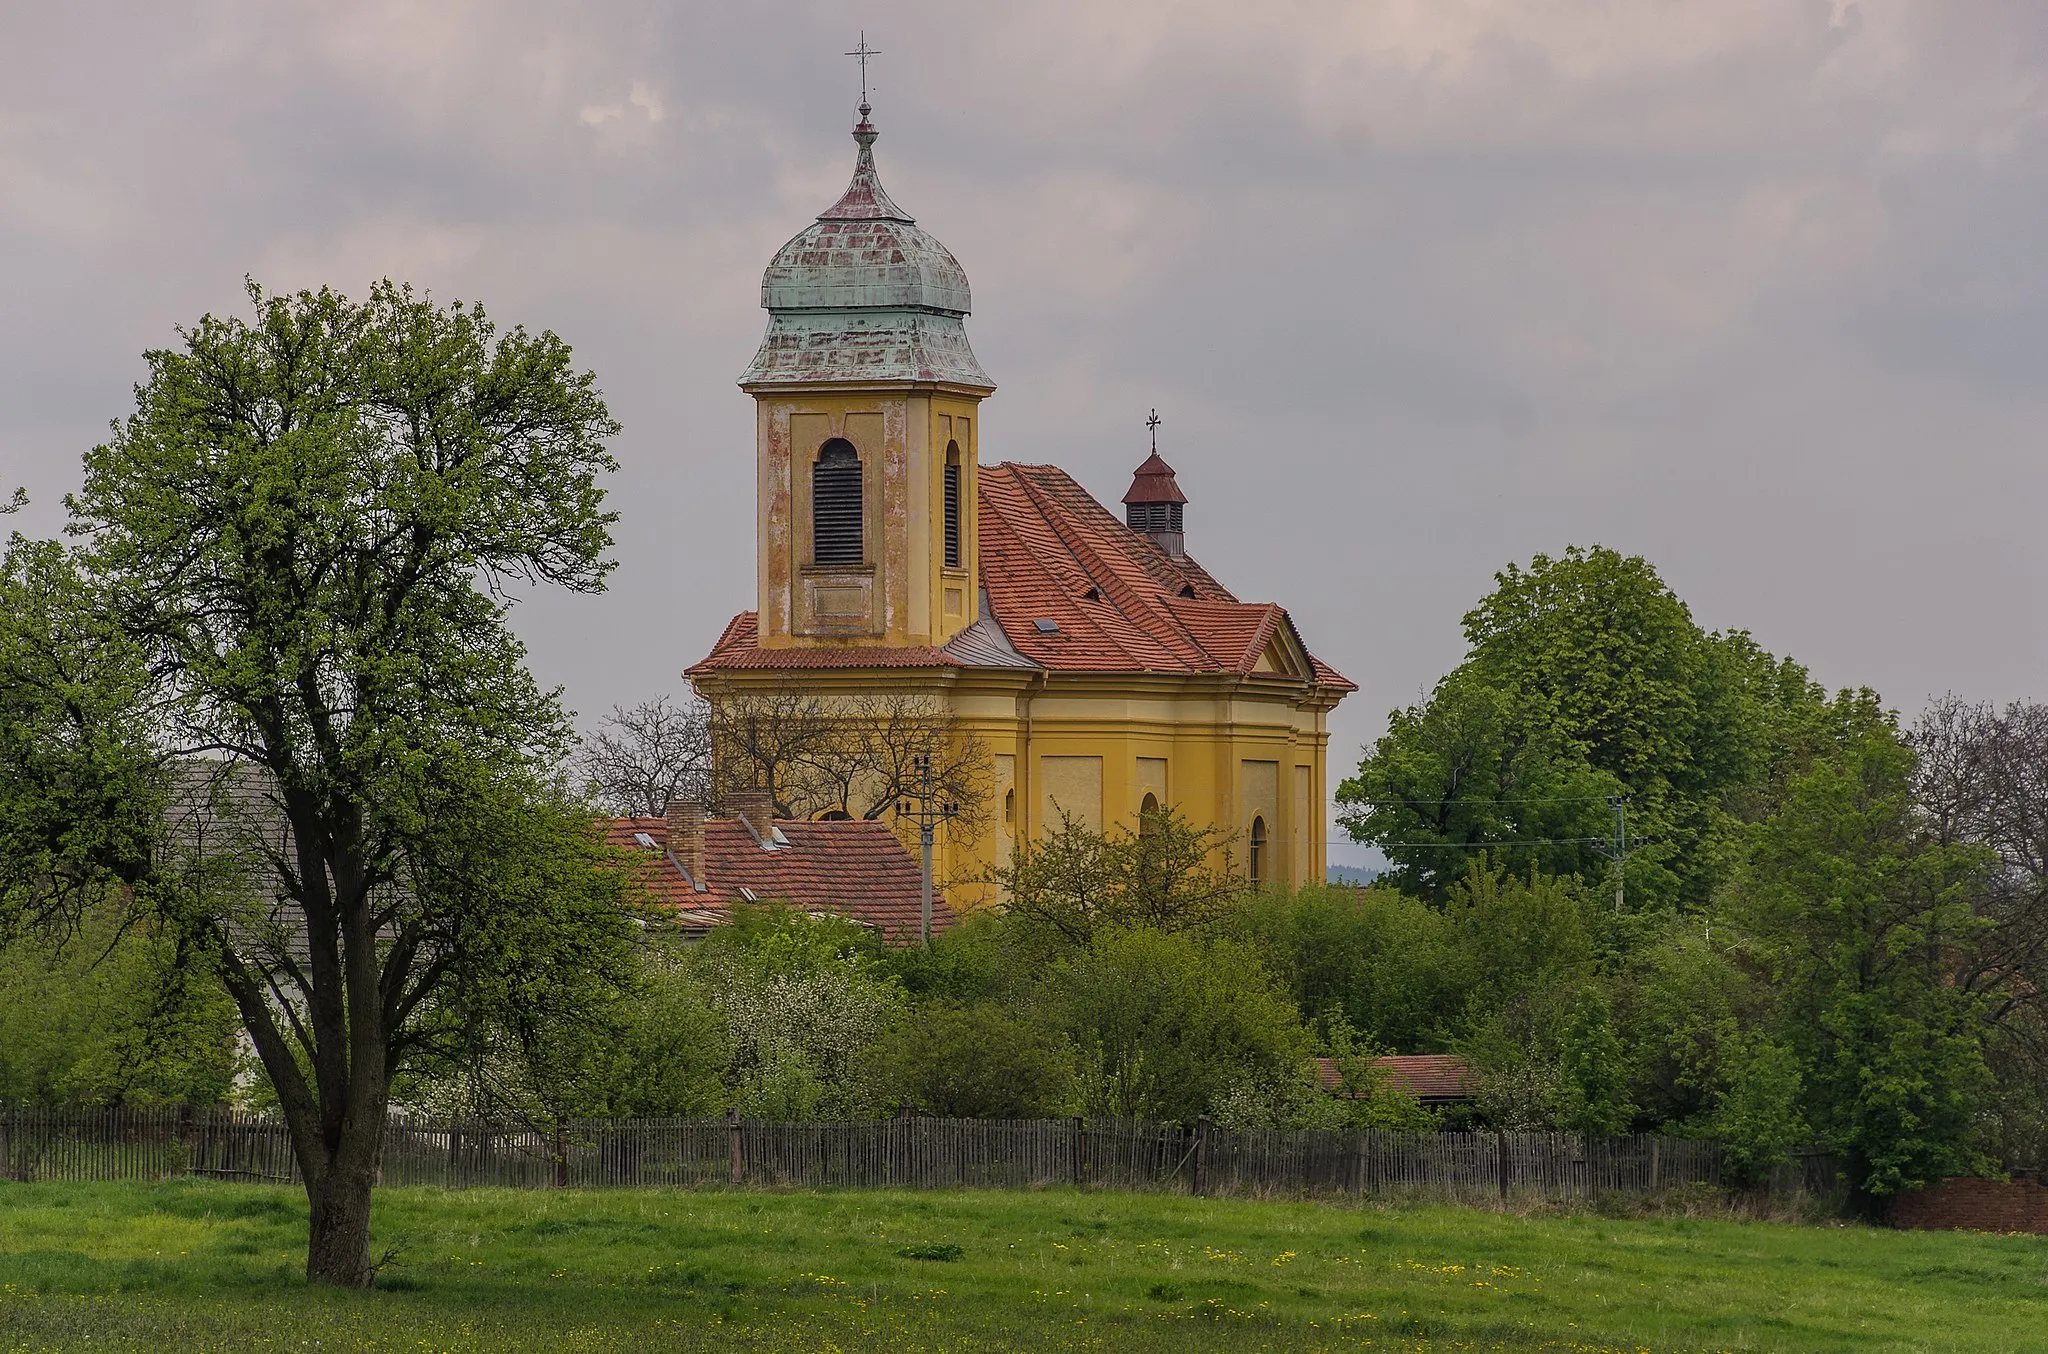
{"x": 1478, "y": 846}
{"x": 1459, "y": 803}
{"x": 1633, "y": 842}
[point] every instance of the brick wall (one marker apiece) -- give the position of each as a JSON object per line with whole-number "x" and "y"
{"x": 1959, "y": 1202}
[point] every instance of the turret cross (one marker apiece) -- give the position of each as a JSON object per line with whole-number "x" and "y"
{"x": 863, "y": 52}
{"x": 1153, "y": 423}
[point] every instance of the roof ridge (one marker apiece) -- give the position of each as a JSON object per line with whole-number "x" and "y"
{"x": 1262, "y": 636}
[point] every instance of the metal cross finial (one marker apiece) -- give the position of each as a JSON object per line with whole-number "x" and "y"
{"x": 1153, "y": 423}
{"x": 863, "y": 52}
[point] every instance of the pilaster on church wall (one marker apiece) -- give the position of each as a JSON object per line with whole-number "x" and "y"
{"x": 894, "y": 594}
{"x": 773, "y": 525}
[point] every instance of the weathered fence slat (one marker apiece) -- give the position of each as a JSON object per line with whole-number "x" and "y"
{"x": 903, "y": 1151}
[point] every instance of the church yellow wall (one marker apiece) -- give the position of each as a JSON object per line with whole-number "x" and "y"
{"x": 1216, "y": 749}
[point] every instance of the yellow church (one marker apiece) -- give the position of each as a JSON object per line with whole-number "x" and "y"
{"x": 1105, "y": 670}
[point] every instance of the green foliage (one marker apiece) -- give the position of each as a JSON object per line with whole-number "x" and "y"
{"x": 805, "y": 1004}
{"x": 1167, "y": 1023}
{"x": 1863, "y": 918}
{"x": 1387, "y": 962}
{"x": 1683, "y": 1004}
{"x": 1756, "y": 1116}
{"x": 982, "y": 959}
{"x": 1076, "y": 881}
{"x": 1592, "y": 1073}
{"x": 980, "y": 1062}
{"x": 1585, "y": 677}
{"x": 540, "y": 909}
{"x": 1476, "y": 769}
{"x": 673, "y": 1049}
{"x": 107, "y": 1016}
{"x": 1516, "y": 936}
{"x": 83, "y": 789}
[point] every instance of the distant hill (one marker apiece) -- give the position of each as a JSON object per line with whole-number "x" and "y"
{"x": 1353, "y": 875}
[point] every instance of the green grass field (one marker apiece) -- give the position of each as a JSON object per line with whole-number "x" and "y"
{"x": 197, "y": 1266}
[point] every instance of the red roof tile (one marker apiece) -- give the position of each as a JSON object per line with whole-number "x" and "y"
{"x": 1426, "y": 1076}
{"x": 1118, "y": 603}
{"x": 857, "y": 870}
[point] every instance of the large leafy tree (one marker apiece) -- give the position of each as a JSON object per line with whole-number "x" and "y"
{"x": 1866, "y": 922}
{"x": 292, "y": 577}
{"x": 1586, "y": 680}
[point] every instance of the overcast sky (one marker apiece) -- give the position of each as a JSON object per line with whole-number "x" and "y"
{"x": 1756, "y": 288}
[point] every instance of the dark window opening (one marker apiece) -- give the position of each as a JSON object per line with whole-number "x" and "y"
{"x": 1258, "y": 850}
{"x": 1148, "y": 815}
{"x": 836, "y": 534}
{"x": 952, "y": 505}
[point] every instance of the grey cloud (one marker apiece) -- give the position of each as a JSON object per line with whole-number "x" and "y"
{"x": 1420, "y": 288}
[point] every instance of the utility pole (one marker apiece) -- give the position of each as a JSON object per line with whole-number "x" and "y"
{"x": 1620, "y": 848}
{"x": 929, "y": 811}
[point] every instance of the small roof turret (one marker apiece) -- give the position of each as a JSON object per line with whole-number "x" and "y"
{"x": 1153, "y": 503}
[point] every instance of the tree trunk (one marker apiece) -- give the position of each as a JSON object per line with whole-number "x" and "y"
{"x": 338, "y": 1247}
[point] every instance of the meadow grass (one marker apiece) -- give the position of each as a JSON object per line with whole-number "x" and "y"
{"x": 204, "y": 1266}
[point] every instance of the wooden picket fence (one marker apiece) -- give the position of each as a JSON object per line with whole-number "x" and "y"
{"x": 905, "y": 1151}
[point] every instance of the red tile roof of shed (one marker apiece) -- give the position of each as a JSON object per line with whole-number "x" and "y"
{"x": 857, "y": 870}
{"x": 1426, "y": 1076}
{"x": 1050, "y": 552}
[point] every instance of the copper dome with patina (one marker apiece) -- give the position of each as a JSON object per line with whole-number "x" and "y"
{"x": 863, "y": 295}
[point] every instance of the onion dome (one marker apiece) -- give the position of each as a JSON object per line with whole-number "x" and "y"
{"x": 863, "y": 294}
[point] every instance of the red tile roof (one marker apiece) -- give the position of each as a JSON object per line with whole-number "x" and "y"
{"x": 739, "y": 647}
{"x": 1153, "y": 482}
{"x": 857, "y": 870}
{"x": 1116, "y": 601}
{"x": 1429, "y": 1077}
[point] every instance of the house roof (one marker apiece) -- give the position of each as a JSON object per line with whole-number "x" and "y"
{"x": 1069, "y": 588}
{"x": 852, "y": 869}
{"x": 1429, "y": 1077}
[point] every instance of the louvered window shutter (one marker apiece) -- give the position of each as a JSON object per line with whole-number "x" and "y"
{"x": 836, "y": 506}
{"x": 953, "y": 511}
{"x": 1153, "y": 516}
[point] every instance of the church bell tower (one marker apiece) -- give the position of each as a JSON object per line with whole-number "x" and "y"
{"x": 867, "y": 400}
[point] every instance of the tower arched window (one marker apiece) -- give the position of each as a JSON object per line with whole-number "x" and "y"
{"x": 1258, "y": 850}
{"x": 1148, "y": 814}
{"x": 836, "y": 516}
{"x": 952, "y": 505}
